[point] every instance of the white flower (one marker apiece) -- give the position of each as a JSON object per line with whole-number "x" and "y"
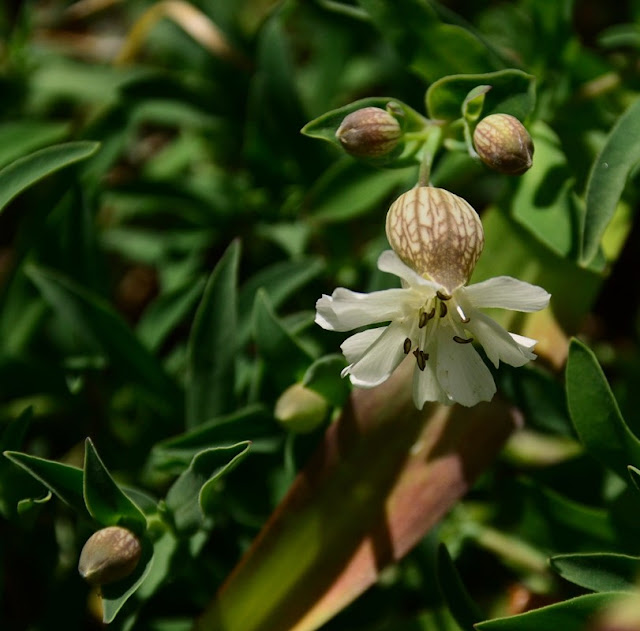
{"x": 436, "y": 327}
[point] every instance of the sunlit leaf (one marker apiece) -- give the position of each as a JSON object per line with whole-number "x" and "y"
{"x": 570, "y": 615}
{"x": 595, "y": 412}
{"x": 600, "y": 572}
{"x": 609, "y": 173}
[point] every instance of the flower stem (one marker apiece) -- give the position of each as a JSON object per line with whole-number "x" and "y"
{"x": 429, "y": 151}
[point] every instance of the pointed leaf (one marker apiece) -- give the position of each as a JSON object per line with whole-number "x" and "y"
{"x": 106, "y": 501}
{"x": 323, "y": 376}
{"x": 600, "y": 572}
{"x": 280, "y": 281}
{"x": 212, "y": 343}
{"x": 63, "y": 480}
{"x": 275, "y": 344}
{"x": 368, "y": 495}
{"x": 460, "y": 604}
{"x": 99, "y": 322}
{"x": 512, "y": 92}
{"x": 608, "y": 176}
{"x": 634, "y": 474}
{"x": 115, "y": 595}
{"x": 24, "y": 172}
{"x": 432, "y": 48}
{"x": 251, "y": 423}
{"x": 569, "y": 615}
{"x": 595, "y": 412}
{"x": 187, "y": 498}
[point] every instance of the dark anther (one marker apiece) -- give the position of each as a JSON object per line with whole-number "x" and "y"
{"x": 431, "y": 313}
{"x": 422, "y": 322}
{"x": 465, "y": 320}
{"x": 443, "y": 309}
{"x": 462, "y": 340}
{"x": 425, "y": 356}
{"x": 407, "y": 346}
{"x": 442, "y": 296}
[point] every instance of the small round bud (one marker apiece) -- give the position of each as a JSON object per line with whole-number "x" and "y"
{"x": 369, "y": 133}
{"x": 503, "y": 144}
{"x": 436, "y": 233}
{"x": 109, "y": 555}
{"x": 300, "y": 409}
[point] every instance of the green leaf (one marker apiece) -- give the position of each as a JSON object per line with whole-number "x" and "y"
{"x": 106, "y": 501}
{"x": 634, "y": 474}
{"x": 432, "y": 48}
{"x": 544, "y": 201}
{"x": 474, "y": 102}
{"x": 212, "y": 343}
{"x": 166, "y": 312}
{"x": 600, "y": 572}
{"x": 250, "y": 423}
{"x": 595, "y": 412}
{"x": 460, "y": 604}
{"x": 512, "y": 92}
{"x": 28, "y": 504}
{"x": 94, "y": 318}
{"x": 326, "y": 126}
{"x": 276, "y": 345}
{"x": 24, "y": 172}
{"x": 569, "y": 615}
{"x": 63, "y": 480}
{"x": 115, "y": 595}
{"x": 280, "y": 281}
{"x": 349, "y": 189}
{"x": 18, "y": 138}
{"x": 323, "y": 376}
{"x": 190, "y": 494}
{"x": 608, "y": 177}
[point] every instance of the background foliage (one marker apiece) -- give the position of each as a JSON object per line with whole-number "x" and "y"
{"x": 165, "y": 230}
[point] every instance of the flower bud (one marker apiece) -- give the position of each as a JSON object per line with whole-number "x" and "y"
{"x": 109, "y": 555}
{"x": 369, "y": 133}
{"x": 503, "y": 144}
{"x": 300, "y": 409}
{"x": 436, "y": 233}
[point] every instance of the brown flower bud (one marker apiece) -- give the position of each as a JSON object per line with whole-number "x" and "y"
{"x": 436, "y": 233}
{"x": 369, "y": 133}
{"x": 300, "y": 409}
{"x": 109, "y": 555}
{"x": 503, "y": 144}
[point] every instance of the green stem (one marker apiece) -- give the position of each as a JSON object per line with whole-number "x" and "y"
{"x": 429, "y": 151}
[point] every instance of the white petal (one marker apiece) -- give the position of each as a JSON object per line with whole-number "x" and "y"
{"x": 345, "y": 309}
{"x": 425, "y": 384}
{"x": 354, "y": 347}
{"x": 389, "y": 262}
{"x": 505, "y": 292}
{"x": 461, "y": 372}
{"x": 381, "y": 358}
{"x": 525, "y": 342}
{"x": 497, "y": 343}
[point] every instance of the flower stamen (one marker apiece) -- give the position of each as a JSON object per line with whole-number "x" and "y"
{"x": 462, "y": 340}
{"x": 442, "y": 296}
{"x": 407, "y": 346}
{"x": 443, "y": 309}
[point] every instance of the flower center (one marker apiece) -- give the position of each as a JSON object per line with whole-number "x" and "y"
{"x": 439, "y": 310}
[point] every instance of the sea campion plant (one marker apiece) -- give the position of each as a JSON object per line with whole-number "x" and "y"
{"x": 184, "y": 446}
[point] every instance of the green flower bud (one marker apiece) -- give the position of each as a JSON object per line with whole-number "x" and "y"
{"x": 369, "y": 133}
{"x": 109, "y": 555}
{"x": 300, "y": 409}
{"x": 503, "y": 144}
